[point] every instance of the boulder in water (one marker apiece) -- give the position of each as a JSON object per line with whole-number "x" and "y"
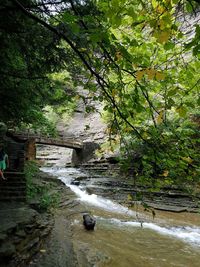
{"x": 89, "y": 222}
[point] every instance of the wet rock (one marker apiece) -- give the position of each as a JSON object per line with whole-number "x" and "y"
{"x": 7, "y": 226}
{"x": 75, "y": 183}
{"x": 88, "y": 256}
{"x": 21, "y": 233}
{"x": 7, "y": 250}
{"x": 30, "y": 228}
{"x": 22, "y": 230}
{"x": 32, "y": 243}
{"x": 2, "y": 237}
{"x": 81, "y": 178}
{"x": 167, "y": 207}
{"x": 89, "y": 222}
{"x": 89, "y": 190}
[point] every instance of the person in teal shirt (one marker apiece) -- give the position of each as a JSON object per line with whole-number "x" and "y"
{"x": 3, "y": 162}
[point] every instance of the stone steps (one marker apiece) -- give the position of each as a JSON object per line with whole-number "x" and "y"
{"x": 12, "y": 176}
{"x": 14, "y": 187}
{"x": 13, "y": 180}
{"x": 12, "y": 183}
{"x": 12, "y": 193}
{"x": 15, "y": 198}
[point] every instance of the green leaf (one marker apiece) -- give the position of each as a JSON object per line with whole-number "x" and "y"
{"x": 169, "y": 45}
{"x": 189, "y": 7}
{"x": 67, "y": 17}
{"x": 134, "y": 42}
{"x": 182, "y": 111}
{"x": 196, "y": 50}
{"x": 189, "y": 104}
{"x": 95, "y": 37}
{"x": 170, "y": 103}
{"x": 172, "y": 92}
{"x": 75, "y": 28}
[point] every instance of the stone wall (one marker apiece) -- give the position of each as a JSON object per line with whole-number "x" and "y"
{"x": 16, "y": 153}
{"x": 22, "y": 231}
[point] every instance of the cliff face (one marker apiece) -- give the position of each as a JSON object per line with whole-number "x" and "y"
{"x": 83, "y": 126}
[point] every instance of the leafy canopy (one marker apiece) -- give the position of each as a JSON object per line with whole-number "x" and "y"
{"x": 141, "y": 60}
{"x": 30, "y": 54}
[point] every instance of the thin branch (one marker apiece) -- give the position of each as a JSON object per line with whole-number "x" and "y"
{"x": 102, "y": 83}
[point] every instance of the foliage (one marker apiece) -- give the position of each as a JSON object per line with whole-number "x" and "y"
{"x": 31, "y": 170}
{"x": 140, "y": 60}
{"x": 49, "y": 200}
{"x": 174, "y": 160}
{"x": 29, "y": 55}
{"x": 39, "y": 191}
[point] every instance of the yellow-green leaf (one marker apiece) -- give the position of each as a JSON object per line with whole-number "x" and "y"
{"x": 129, "y": 197}
{"x": 163, "y": 37}
{"x": 160, "y": 76}
{"x": 118, "y": 55}
{"x": 160, "y": 117}
{"x": 161, "y": 24}
{"x": 150, "y": 73}
{"x": 165, "y": 173}
{"x": 182, "y": 111}
{"x": 187, "y": 159}
{"x": 139, "y": 74}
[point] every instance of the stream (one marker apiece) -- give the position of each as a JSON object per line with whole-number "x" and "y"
{"x": 125, "y": 237}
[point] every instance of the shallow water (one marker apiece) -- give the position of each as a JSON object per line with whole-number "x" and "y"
{"x": 124, "y": 237}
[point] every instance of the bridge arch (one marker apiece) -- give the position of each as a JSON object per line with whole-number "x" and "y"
{"x": 82, "y": 151}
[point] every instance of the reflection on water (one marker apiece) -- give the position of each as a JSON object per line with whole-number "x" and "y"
{"x": 121, "y": 240}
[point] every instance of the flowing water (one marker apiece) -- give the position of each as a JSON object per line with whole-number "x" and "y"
{"x": 126, "y": 238}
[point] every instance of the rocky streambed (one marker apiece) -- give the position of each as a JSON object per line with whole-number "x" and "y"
{"x": 124, "y": 236}
{"x": 31, "y": 237}
{"x": 124, "y": 191}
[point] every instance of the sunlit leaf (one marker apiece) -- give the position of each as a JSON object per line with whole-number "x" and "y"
{"x": 150, "y": 73}
{"x": 139, "y": 74}
{"x": 160, "y": 117}
{"x": 163, "y": 37}
{"x": 145, "y": 135}
{"x": 182, "y": 111}
{"x": 187, "y": 159}
{"x": 160, "y": 76}
{"x": 118, "y": 55}
{"x": 165, "y": 173}
{"x": 83, "y": 49}
{"x": 114, "y": 93}
{"x": 129, "y": 197}
{"x": 172, "y": 92}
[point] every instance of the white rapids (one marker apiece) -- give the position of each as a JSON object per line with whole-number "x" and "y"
{"x": 187, "y": 233}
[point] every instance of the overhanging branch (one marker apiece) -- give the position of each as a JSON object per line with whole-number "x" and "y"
{"x": 102, "y": 83}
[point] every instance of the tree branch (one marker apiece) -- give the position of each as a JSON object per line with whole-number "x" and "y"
{"x": 102, "y": 83}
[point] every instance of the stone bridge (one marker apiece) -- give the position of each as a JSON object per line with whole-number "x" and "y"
{"x": 61, "y": 141}
{"x": 21, "y": 147}
{"x": 82, "y": 151}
